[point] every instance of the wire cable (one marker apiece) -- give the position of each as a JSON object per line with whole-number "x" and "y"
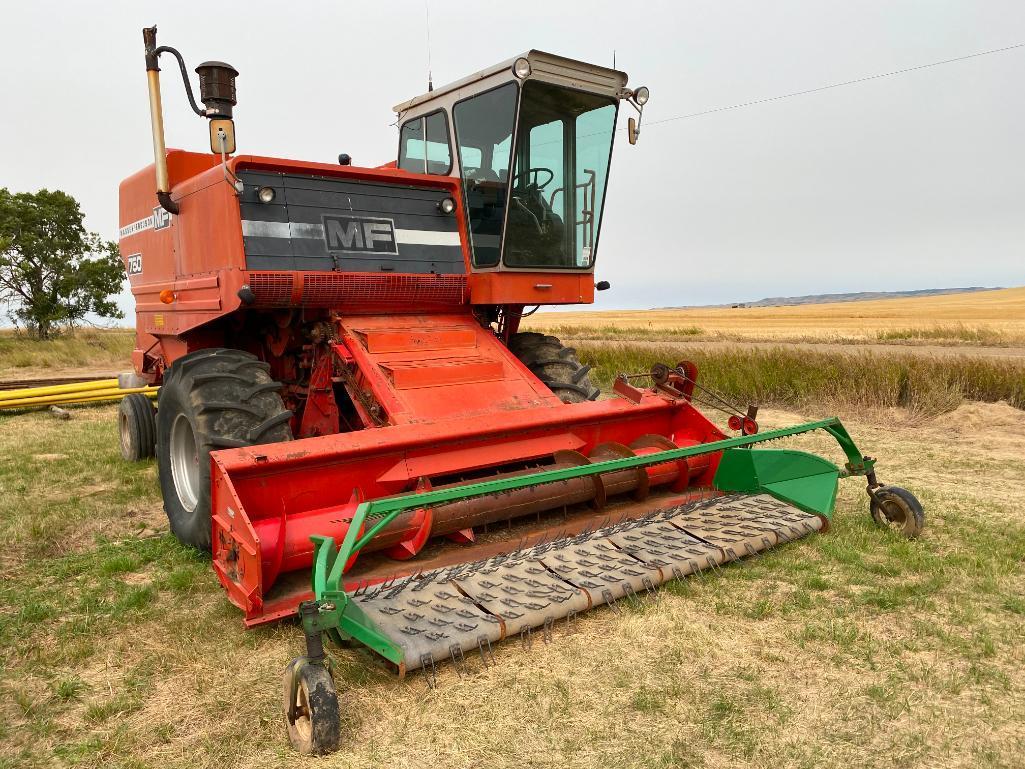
{"x": 834, "y": 85}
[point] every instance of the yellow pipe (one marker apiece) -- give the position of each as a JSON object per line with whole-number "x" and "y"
{"x": 90, "y": 399}
{"x": 72, "y": 387}
{"x": 74, "y": 397}
{"x": 70, "y": 397}
{"x": 94, "y": 399}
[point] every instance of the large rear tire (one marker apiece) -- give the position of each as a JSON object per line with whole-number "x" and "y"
{"x": 210, "y": 399}
{"x": 554, "y": 364}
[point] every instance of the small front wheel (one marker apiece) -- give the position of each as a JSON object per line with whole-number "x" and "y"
{"x": 311, "y": 707}
{"x": 137, "y": 427}
{"x": 897, "y": 509}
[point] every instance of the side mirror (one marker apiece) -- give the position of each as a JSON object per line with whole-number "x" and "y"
{"x": 602, "y": 285}
{"x": 636, "y": 99}
{"x": 222, "y": 136}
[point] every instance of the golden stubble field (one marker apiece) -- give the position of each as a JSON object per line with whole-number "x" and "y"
{"x": 984, "y": 317}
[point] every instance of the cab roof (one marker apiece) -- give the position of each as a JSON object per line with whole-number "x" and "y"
{"x": 544, "y": 66}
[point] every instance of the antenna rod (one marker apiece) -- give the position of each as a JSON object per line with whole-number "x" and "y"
{"x": 430, "y": 77}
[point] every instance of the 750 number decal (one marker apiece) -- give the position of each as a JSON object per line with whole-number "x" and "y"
{"x": 134, "y": 263}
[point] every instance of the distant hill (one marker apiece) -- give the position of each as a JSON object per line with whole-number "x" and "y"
{"x": 857, "y": 296}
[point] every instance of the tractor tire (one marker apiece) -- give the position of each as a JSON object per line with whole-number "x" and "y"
{"x": 210, "y": 399}
{"x": 895, "y": 508}
{"x": 137, "y": 427}
{"x": 556, "y": 365}
{"x": 316, "y": 729}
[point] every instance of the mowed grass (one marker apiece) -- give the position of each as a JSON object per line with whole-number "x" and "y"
{"x": 107, "y": 349}
{"x": 852, "y": 648}
{"x": 782, "y": 376}
{"x": 985, "y": 317}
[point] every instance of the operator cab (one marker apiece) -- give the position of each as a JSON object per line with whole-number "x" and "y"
{"x": 531, "y": 141}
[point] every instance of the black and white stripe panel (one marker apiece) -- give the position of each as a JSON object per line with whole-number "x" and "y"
{"x": 289, "y": 232}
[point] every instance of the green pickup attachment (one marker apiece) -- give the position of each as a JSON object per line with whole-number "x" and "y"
{"x": 760, "y": 498}
{"x": 792, "y": 492}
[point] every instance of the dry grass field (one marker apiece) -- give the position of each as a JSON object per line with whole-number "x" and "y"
{"x": 990, "y": 317}
{"x": 853, "y": 648}
{"x": 86, "y": 352}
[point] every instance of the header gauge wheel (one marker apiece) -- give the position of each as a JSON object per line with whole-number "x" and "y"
{"x": 898, "y": 509}
{"x": 311, "y": 708}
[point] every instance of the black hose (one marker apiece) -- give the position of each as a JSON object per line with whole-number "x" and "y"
{"x": 185, "y": 76}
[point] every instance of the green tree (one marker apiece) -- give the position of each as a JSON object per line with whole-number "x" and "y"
{"x": 52, "y": 272}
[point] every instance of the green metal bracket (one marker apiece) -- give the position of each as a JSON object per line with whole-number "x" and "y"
{"x": 803, "y": 479}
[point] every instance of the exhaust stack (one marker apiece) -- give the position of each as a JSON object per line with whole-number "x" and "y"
{"x": 216, "y": 90}
{"x": 156, "y": 114}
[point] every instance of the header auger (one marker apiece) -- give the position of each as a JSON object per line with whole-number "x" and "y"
{"x": 345, "y": 391}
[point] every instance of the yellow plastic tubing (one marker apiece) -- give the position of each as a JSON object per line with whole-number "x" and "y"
{"x": 73, "y": 387}
{"x": 87, "y": 396}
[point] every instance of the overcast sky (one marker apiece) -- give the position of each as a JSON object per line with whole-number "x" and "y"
{"x": 913, "y": 181}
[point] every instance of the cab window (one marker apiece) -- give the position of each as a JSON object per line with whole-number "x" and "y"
{"x": 484, "y": 126}
{"x": 424, "y": 145}
{"x": 561, "y": 163}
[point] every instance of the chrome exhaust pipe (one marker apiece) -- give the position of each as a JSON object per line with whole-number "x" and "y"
{"x": 156, "y": 114}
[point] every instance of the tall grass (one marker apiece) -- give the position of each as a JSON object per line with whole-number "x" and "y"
{"x": 84, "y": 347}
{"x": 955, "y": 333}
{"x": 789, "y": 377}
{"x": 620, "y": 332}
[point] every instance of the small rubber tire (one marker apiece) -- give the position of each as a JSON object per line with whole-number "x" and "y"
{"x": 898, "y": 509}
{"x": 556, "y": 365}
{"x": 210, "y": 399}
{"x": 317, "y": 728}
{"x": 137, "y": 427}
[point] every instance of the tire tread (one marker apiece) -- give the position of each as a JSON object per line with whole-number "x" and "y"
{"x": 556, "y": 365}
{"x": 232, "y": 402}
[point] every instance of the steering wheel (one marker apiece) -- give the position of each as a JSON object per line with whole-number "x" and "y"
{"x": 534, "y": 173}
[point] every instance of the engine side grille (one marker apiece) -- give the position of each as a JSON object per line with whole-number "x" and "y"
{"x": 319, "y": 289}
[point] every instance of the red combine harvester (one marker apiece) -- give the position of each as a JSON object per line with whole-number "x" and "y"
{"x": 345, "y": 388}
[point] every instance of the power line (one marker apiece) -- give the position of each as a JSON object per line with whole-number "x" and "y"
{"x": 834, "y": 85}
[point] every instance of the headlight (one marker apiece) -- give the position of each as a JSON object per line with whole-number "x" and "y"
{"x": 266, "y": 194}
{"x": 521, "y": 68}
{"x": 641, "y": 95}
{"x": 447, "y": 206}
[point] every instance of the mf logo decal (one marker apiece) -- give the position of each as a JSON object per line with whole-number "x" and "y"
{"x": 134, "y": 263}
{"x": 360, "y": 235}
{"x": 158, "y": 220}
{"x": 161, "y": 218}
